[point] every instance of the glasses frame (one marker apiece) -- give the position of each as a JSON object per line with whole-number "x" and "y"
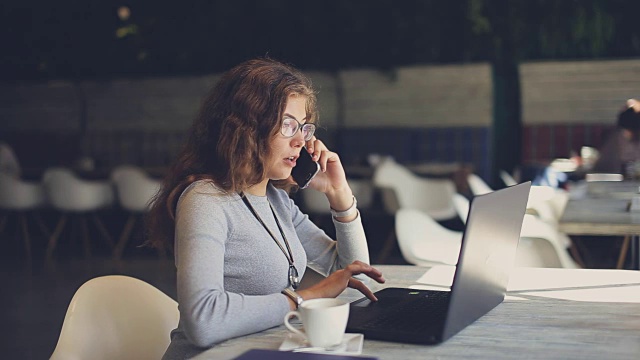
{"x": 300, "y": 128}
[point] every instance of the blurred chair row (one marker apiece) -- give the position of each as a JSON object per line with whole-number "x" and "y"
{"x": 423, "y": 207}
{"x": 76, "y": 200}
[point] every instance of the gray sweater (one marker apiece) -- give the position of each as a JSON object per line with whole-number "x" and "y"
{"x": 230, "y": 271}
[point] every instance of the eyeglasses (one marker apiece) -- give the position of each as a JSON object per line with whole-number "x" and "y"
{"x": 290, "y": 127}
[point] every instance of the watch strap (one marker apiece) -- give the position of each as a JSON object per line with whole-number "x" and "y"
{"x": 297, "y": 299}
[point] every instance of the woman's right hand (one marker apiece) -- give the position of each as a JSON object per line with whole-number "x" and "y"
{"x": 337, "y": 282}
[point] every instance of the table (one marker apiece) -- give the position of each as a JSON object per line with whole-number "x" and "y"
{"x": 548, "y": 314}
{"x": 603, "y": 210}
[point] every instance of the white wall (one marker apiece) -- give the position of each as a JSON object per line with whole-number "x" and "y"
{"x": 153, "y": 103}
{"x": 577, "y": 92}
{"x": 419, "y": 96}
{"x": 51, "y": 106}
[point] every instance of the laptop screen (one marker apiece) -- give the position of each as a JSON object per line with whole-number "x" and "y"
{"x": 487, "y": 255}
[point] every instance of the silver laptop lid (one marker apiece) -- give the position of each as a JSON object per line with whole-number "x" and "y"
{"x": 487, "y": 255}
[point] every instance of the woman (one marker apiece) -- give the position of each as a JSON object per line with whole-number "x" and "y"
{"x": 621, "y": 150}
{"x": 240, "y": 243}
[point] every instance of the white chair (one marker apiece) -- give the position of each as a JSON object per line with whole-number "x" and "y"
{"x": 402, "y": 189}
{"x": 117, "y": 317}
{"x": 135, "y": 192}
{"x": 548, "y": 242}
{"x": 547, "y": 202}
{"x": 423, "y": 241}
{"x": 461, "y": 204}
{"x": 507, "y": 178}
{"x": 432, "y": 196}
{"x": 78, "y": 199}
{"x": 541, "y": 245}
{"x": 477, "y": 185}
{"x": 21, "y": 198}
{"x": 9, "y": 163}
{"x": 363, "y": 191}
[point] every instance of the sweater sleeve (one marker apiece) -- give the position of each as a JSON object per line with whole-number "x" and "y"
{"x": 208, "y": 313}
{"x": 325, "y": 255}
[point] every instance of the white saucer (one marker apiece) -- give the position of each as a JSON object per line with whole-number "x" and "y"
{"x": 351, "y": 345}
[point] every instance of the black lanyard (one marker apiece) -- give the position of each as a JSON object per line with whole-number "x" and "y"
{"x": 294, "y": 281}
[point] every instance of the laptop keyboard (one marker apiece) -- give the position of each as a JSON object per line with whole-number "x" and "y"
{"x": 415, "y": 315}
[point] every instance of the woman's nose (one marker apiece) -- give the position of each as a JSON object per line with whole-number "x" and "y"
{"x": 298, "y": 139}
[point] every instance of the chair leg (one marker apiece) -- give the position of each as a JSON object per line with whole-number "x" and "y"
{"x": 389, "y": 243}
{"x": 124, "y": 237}
{"x": 579, "y": 252}
{"x": 85, "y": 237}
{"x": 25, "y": 234}
{"x": 103, "y": 231}
{"x": 43, "y": 228}
{"x": 53, "y": 240}
{"x": 573, "y": 250}
{"x": 623, "y": 252}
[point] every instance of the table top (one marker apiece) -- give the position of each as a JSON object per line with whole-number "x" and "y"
{"x": 548, "y": 314}
{"x": 603, "y": 210}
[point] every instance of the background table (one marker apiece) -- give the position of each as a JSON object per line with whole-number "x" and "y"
{"x": 604, "y": 211}
{"x": 549, "y": 314}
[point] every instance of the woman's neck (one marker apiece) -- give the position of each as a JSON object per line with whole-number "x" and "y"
{"x": 259, "y": 189}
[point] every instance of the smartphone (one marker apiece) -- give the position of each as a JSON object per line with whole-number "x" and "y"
{"x": 305, "y": 169}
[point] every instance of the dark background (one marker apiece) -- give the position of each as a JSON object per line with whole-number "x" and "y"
{"x": 87, "y": 39}
{"x": 75, "y": 39}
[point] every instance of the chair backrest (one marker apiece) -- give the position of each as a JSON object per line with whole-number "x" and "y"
{"x": 477, "y": 185}
{"x": 548, "y": 202}
{"x": 507, "y": 178}
{"x": 422, "y": 241}
{"x": 363, "y": 191}
{"x": 117, "y": 317}
{"x": 541, "y": 245}
{"x": 16, "y": 194}
{"x": 67, "y": 192}
{"x": 135, "y": 189}
{"x": 9, "y": 161}
{"x": 462, "y": 205}
{"x": 432, "y": 196}
{"x": 547, "y": 242}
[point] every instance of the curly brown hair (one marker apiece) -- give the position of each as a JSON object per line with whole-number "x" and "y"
{"x": 229, "y": 139}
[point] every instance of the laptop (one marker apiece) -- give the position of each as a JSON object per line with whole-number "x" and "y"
{"x": 487, "y": 255}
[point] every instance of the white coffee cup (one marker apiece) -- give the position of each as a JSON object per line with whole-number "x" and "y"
{"x": 324, "y": 321}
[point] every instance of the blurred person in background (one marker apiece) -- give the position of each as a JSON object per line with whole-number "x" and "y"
{"x": 621, "y": 149}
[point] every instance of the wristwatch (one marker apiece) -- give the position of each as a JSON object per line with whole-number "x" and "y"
{"x": 297, "y": 299}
